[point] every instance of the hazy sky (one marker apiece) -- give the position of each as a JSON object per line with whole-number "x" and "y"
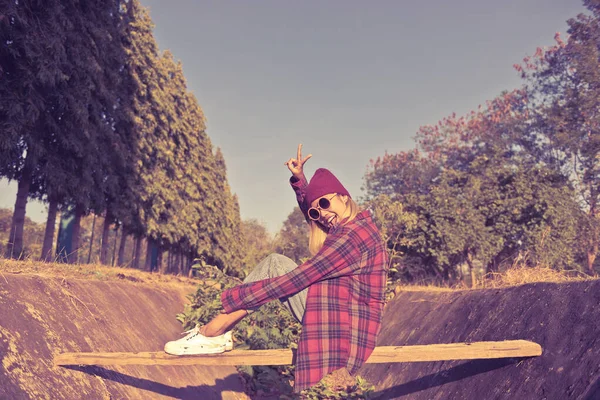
{"x": 348, "y": 79}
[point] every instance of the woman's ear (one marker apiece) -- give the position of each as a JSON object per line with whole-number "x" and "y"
{"x": 344, "y": 198}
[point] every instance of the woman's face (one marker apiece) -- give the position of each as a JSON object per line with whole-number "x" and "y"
{"x": 333, "y": 214}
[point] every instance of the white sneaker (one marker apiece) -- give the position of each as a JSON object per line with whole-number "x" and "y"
{"x": 196, "y": 343}
{"x": 228, "y": 341}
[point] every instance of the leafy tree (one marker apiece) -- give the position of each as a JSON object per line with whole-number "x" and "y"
{"x": 226, "y": 244}
{"x": 405, "y": 172}
{"x": 465, "y": 193}
{"x": 564, "y": 84}
{"x": 397, "y": 228}
{"x": 488, "y": 215}
{"x": 257, "y": 244}
{"x": 292, "y": 239}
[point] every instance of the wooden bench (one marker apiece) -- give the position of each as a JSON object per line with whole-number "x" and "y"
{"x": 381, "y": 354}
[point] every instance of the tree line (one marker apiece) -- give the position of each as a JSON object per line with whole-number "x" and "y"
{"x": 94, "y": 119}
{"x": 255, "y": 240}
{"x": 516, "y": 181}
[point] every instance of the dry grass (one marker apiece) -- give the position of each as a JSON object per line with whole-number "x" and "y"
{"x": 521, "y": 275}
{"x": 426, "y": 288}
{"x": 90, "y": 271}
{"x": 514, "y": 276}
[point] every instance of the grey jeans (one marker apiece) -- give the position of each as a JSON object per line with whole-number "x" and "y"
{"x": 275, "y": 265}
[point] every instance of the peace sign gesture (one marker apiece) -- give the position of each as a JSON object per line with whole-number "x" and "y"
{"x": 296, "y": 165}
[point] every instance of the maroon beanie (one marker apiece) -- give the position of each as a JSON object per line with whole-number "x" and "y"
{"x": 323, "y": 182}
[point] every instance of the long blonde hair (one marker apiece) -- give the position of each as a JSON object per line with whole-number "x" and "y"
{"x": 318, "y": 234}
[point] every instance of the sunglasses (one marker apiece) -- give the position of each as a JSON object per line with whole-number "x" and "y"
{"x": 324, "y": 204}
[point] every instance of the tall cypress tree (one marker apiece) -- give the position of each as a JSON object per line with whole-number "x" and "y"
{"x": 86, "y": 153}
{"x": 226, "y": 244}
{"x": 140, "y": 67}
{"x": 32, "y": 53}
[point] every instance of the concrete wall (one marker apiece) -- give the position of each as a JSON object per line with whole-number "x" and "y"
{"x": 563, "y": 318}
{"x": 44, "y": 316}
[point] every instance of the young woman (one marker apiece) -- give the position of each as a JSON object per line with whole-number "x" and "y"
{"x": 338, "y": 295}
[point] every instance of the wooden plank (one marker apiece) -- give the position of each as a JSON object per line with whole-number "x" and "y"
{"x": 381, "y": 354}
{"x": 455, "y": 351}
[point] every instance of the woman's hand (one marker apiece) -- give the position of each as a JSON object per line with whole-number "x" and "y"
{"x": 296, "y": 165}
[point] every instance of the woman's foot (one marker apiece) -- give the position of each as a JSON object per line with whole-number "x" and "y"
{"x": 196, "y": 343}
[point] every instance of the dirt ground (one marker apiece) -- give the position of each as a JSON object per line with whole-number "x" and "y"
{"x": 563, "y": 318}
{"x": 53, "y": 311}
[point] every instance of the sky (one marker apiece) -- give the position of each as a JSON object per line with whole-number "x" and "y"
{"x": 349, "y": 79}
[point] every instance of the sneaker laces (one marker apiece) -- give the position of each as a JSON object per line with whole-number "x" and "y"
{"x": 195, "y": 331}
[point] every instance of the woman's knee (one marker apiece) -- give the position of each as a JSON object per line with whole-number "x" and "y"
{"x": 280, "y": 262}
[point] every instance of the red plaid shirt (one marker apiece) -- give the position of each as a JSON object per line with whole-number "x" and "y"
{"x": 346, "y": 291}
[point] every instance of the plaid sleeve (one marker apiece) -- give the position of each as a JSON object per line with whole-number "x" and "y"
{"x": 338, "y": 257}
{"x": 299, "y": 186}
